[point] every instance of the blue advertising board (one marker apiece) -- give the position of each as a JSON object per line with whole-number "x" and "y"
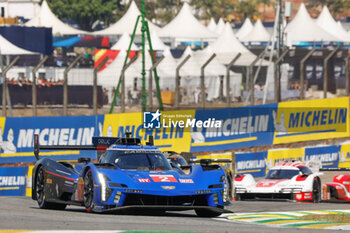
{"x": 252, "y": 163}
{"x": 13, "y": 181}
{"x": 328, "y": 155}
{"x": 17, "y": 136}
{"x": 241, "y": 128}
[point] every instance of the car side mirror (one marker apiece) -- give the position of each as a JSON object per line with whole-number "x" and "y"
{"x": 84, "y": 160}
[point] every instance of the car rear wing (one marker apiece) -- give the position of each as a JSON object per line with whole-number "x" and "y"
{"x": 210, "y": 161}
{"x": 99, "y": 144}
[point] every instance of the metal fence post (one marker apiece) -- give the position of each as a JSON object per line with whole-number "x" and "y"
{"x": 228, "y": 96}
{"x": 5, "y": 92}
{"x": 94, "y": 91}
{"x": 302, "y": 72}
{"x": 177, "y": 81}
{"x": 347, "y": 72}
{"x": 277, "y": 78}
{"x": 123, "y": 82}
{"x": 202, "y": 79}
{"x": 34, "y": 92}
{"x": 65, "y": 84}
{"x": 325, "y": 71}
{"x": 150, "y": 82}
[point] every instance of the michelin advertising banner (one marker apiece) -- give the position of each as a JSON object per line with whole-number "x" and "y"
{"x": 307, "y": 120}
{"x": 252, "y": 163}
{"x": 13, "y": 181}
{"x": 328, "y": 155}
{"x": 17, "y": 136}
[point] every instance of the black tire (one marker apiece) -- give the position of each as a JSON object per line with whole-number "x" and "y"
{"x": 88, "y": 191}
{"x": 207, "y": 213}
{"x": 316, "y": 191}
{"x": 41, "y": 193}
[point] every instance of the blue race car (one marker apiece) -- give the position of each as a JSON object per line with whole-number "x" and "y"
{"x": 127, "y": 175}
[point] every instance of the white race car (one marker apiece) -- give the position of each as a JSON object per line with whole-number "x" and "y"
{"x": 286, "y": 180}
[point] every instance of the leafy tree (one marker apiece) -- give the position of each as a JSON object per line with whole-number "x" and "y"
{"x": 335, "y": 6}
{"x": 247, "y": 8}
{"x": 214, "y": 8}
{"x": 86, "y": 12}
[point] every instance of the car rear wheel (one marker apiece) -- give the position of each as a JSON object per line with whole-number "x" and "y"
{"x": 207, "y": 213}
{"x": 41, "y": 193}
{"x": 316, "y": 191}
{"x": 88, "y": 191}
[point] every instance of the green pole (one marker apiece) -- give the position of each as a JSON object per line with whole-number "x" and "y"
{"x": 154, "y": 70}
{"x": 143, "y": 29}
{"x": 125, "y": 61}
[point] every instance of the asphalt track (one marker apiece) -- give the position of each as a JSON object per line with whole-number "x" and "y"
{"x": 22, "y": 213}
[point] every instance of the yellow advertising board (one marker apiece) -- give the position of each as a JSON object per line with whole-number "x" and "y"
{"x": 344, "y": 156}
{"x": 278, "y": 155}
{"x": 311, "y": 120}
{"x": 165, "y": 138}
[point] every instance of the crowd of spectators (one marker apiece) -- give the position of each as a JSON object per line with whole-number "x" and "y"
{"x": 40, "y": 82}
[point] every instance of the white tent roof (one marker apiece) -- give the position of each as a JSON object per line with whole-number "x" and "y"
{"x": 212, "y": 25}
{"x": 227, "y": 46}
{"x": 186, "y": 26}
{"x": 327, "y": 22}
{"x": 110, "y": 75}
{"x": 7, "y": 48}
{"x": 220, "y": 26}
{"x": 46, "y": 18}
{"x": 157, "y": 44}
{"x": 127, "y": 23}
{"x": 258, "y": 33}
{"x": 167, "y": 67}
{"x": 303, "y": 28}
{"x": 245, "y": 29}
{"x": 124, "y": 42}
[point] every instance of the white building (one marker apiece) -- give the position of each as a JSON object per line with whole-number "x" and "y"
{"x": 22, "y": 8}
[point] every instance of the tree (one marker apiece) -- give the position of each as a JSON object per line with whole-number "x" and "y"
{"x": 86, "y": 12}
{"x": 247, "y": 8}
{"x": 335, "y": 6}
{"x": 214, "y": 8}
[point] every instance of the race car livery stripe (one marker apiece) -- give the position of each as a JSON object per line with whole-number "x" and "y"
{"x": 67, "y": 178}
{"x": 290, "y": 219}
{"x": 24, "y": 154}
{"x": 225, "y": 142}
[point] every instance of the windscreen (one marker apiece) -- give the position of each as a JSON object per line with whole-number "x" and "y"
{"x": 137, "y": 161}
{"x": 179, "y": 161}
{"x": 281, "y": 174}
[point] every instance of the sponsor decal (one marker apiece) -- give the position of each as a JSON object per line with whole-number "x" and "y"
{"x": 163, "y": 178}
{"x": 49, "y": 181}
{"x": 186, "y": 181}
{"x": 168, "y": 187}
{"x": 144, "y": 180}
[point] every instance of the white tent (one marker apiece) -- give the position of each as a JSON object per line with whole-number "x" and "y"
{"x": 257, "y": 34}
{"x": 212, "y": 25}
{"x": 220, "y": 26}
{"x": 109, "y": 76}
{"x": 46, "y": 18}
{"x": 123, "y": 43}
{"x": 303, "y": 28}
{"x": 167, "y": 71}
{"x": 227, "y": 46}
{"x": 7, "y": 48}
{"x": 245, "y": 29}
{"x": 186, "y": 27}
{"x": 326, "y": 21}
{"x": 157, "y": 44}
{"x": 127, "y": 23}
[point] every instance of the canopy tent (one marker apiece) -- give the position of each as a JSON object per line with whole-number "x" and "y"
{"x": 257, "y": 34}
{"x": 245, "y": 29}
{"x": 220, "y": 26}
{"x": 46, "y": 18}
{"x": 127, "y": 23}
{"x": 7, "y": 48}
{"x": 327, "y": 23}
{"x": 157, "y": 44}
{"x": 124, "y": 42}
{"x": 186, "y": 27}
{"x": 227, "y": 46}
{"x": 303, "y": 29}
{"x": 212, "y": 25}
{"x": 109, "y": 77}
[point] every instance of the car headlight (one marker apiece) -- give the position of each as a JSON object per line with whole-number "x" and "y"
{"x": 105, "y": 191}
